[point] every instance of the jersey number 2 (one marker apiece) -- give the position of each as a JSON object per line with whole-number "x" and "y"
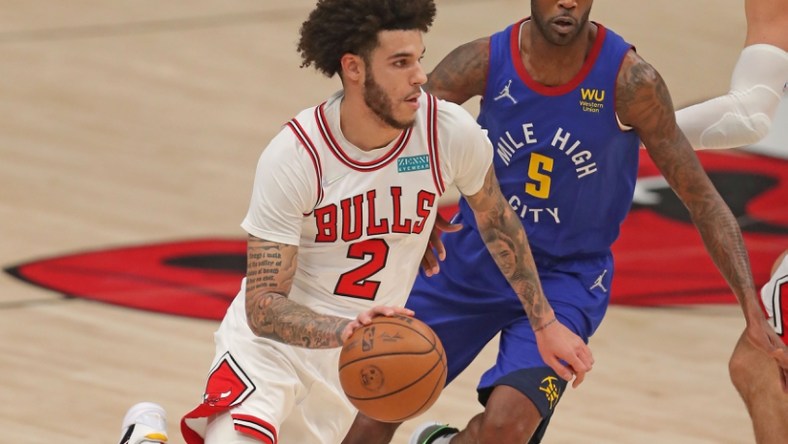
{"x": 356, "y": 283}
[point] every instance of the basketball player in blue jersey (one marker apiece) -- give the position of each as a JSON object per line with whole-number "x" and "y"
{"x": 565, "y": 102}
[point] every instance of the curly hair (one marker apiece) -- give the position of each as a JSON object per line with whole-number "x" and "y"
{"x": 338, "y": 27}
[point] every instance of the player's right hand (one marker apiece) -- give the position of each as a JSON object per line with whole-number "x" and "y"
{"x": 365, "y": 318}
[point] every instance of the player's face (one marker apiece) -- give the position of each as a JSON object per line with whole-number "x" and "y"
{"x": 394, "y": 76}
{"x": 560, "y": 21}
{"x": 503, "y": 253}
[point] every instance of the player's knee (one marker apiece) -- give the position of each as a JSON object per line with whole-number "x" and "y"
{"x": 498, "y": 429}
{"x": 740, "y": 370}
{"x": 736, "y": 370}
{"x": 509, "y": 422}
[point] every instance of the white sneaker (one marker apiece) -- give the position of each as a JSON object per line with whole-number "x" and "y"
{"x": 430, "y": 432}
{"x": 145, "y": 422}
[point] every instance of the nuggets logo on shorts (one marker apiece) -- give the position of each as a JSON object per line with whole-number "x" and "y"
{"x": 551, "y": 391}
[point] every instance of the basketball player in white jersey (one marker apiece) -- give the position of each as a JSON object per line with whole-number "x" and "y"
{"x": 343, "y": 204}
{"x": 762, "y": 384}
{"x": 744, "y": 115}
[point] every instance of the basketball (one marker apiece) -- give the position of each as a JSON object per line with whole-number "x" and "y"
{"x": 393, "y": 369}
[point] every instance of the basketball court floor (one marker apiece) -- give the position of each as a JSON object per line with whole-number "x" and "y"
{"x": 132, "y": 127}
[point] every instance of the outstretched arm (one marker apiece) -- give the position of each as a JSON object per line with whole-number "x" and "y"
{"x": 270, "y": 314}
{"x": 643, "y": 102}
{"x": 497, "y": 221}
{"x": 744, "y": 115}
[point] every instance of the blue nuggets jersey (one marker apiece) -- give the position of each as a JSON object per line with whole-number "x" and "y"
{"x": 562, "y": 160}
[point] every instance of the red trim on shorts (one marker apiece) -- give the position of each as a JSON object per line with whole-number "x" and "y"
{"x": 256, "y": 428}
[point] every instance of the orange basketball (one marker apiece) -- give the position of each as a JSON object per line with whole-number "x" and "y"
{"x": 393, "y": 369}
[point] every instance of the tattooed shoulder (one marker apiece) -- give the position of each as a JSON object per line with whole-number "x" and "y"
{"x": 462, "y": 74}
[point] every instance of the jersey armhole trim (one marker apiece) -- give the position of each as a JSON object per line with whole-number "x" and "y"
{"x": 307, "y": 143}
{"x": 432, "y": 143}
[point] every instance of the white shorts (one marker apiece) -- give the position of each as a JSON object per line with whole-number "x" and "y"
{"x": 274, "y": 393}
{"x": 774, "y": 296}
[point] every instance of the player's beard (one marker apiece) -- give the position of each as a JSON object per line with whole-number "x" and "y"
{"x": 380, "y": 104}
{"x": 555, "y": 38}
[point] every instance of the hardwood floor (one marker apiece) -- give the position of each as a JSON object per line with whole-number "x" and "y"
{"x": 137, "y": 121}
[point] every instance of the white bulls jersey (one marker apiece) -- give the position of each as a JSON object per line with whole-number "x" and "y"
{"x": 361, "y": 219}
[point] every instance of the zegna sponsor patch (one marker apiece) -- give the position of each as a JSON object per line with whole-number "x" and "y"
{"x": 413, "y": 163}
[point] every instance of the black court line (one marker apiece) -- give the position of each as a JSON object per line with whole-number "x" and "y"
{"x": 12, "y": 305}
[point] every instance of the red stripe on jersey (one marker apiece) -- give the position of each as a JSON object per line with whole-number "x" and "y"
{"x": 307, "y": 143}
{"x": 432, "y": 143}
{"x": 339, "y": 153}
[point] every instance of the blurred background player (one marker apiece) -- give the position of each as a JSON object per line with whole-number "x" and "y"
{"x": 744, "y": 115}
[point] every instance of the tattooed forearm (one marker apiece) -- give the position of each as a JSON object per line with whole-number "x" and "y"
{"x": 723, "y": 240}
{"x": 643, "y": 102}
{"x": 504, "y": 236}
{"x": 271, "y": 267}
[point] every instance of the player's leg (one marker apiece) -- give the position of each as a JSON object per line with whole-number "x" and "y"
{"x": 365, "y": 430}
{"x": 520, "y": 392}
{"x": 453, "y": 312}
{"x": 756, "y": 378}
{"x": 509, "y": 416}
{"x": 221, "y": 429}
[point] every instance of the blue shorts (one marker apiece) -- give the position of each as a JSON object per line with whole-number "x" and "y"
{"x": 469, "y": 302}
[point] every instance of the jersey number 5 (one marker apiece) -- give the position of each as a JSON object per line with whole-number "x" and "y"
{"x": 539, "y": 183}
{"x": 356, "y": 283}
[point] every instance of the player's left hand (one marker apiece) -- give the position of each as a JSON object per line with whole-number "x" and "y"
{"x": 762, "y": 336}
{"x": 557, "y": 343}
{"x": 429, "y": 262}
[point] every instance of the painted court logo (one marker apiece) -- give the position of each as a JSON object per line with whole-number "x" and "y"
{"x": 660, "y": 259}
{"x": 592, "y": 100}
{"x": 413, "y": 163}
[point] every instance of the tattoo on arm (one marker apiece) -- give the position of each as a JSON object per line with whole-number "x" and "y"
{"x": 271, "y": 267}
{"x": 505, "y": 237}
{"x": 462, "y": 74}
{"x": 643, "y": 102}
